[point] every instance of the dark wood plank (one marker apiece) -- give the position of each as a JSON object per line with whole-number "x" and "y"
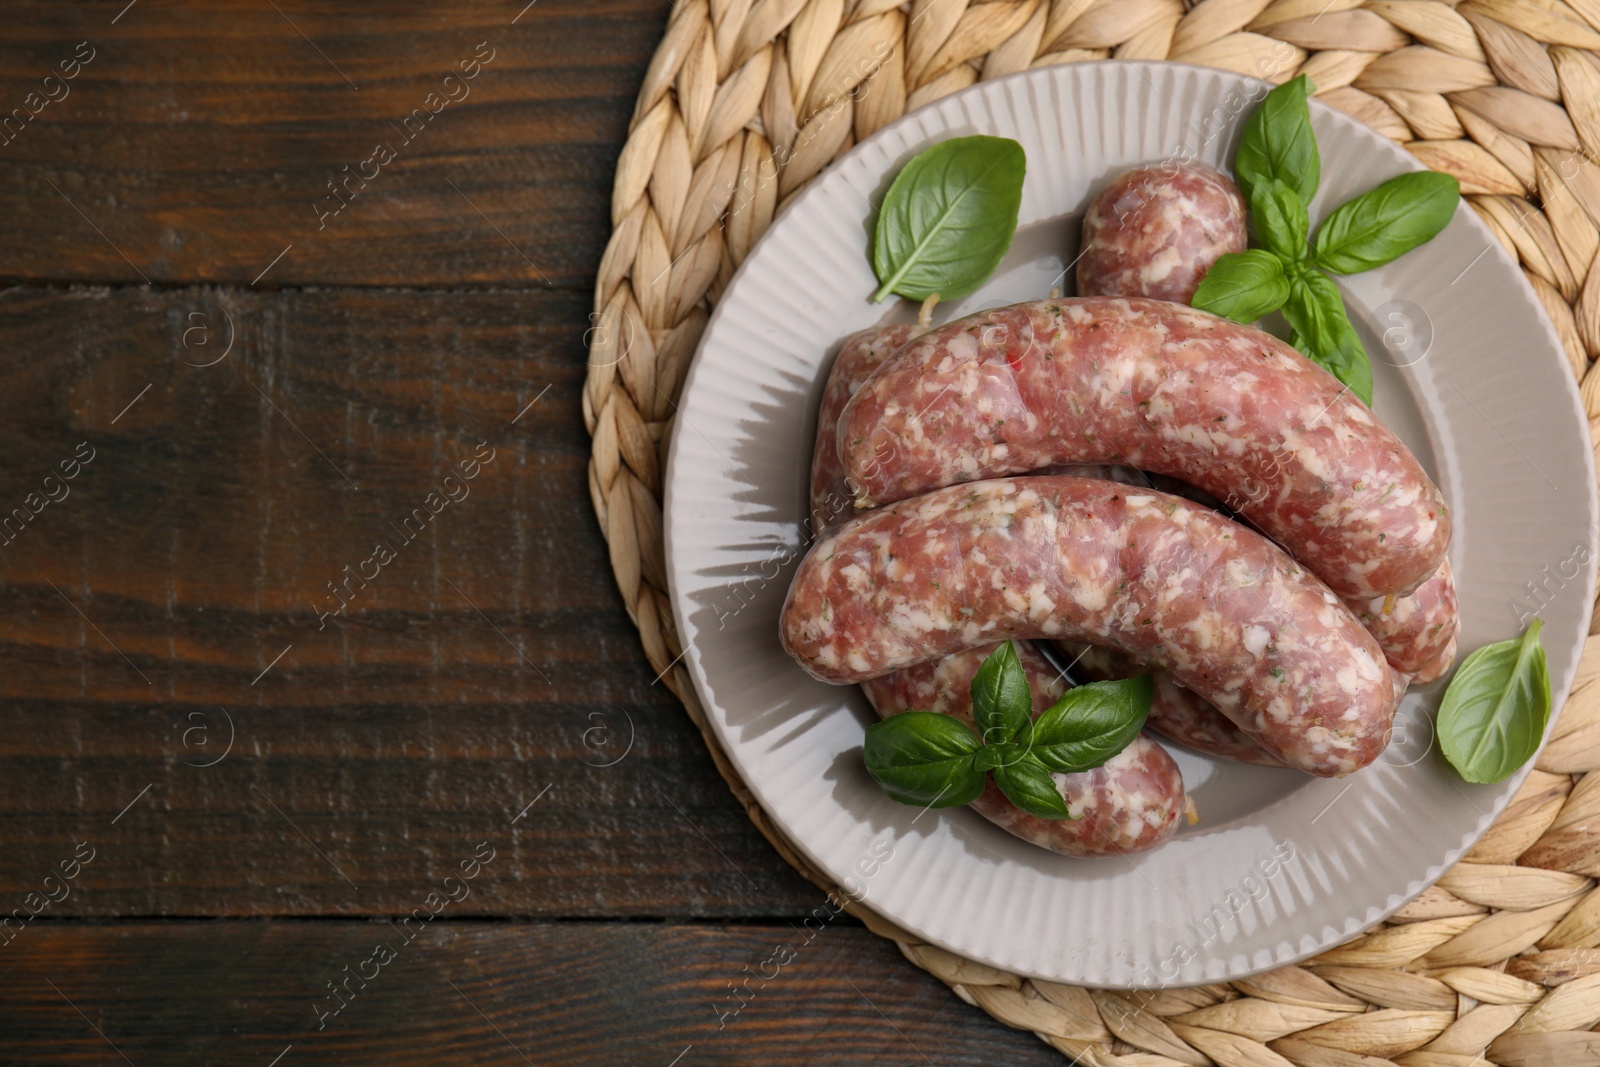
{"x": 573, "y": 994}
{"x": 171, "y": 600}
{"x": 198, "y": 139}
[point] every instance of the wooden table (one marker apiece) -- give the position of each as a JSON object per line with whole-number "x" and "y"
{"x": 306, "y": 615}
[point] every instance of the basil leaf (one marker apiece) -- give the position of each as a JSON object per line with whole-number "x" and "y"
{"x": 1028, "y": 785}
{"x": 1322, "y": 331}
{"x": 1495, "y": 711}
{"x": 1243, "y": 286}
{"x": 1278, "y": 143}
{"x": 1001, "y": 702}
{"x": 1091, "y": 723}
{"x": 921, "y": 757}
{"x": 1385, "y": 223}
{"x": 948, "y": 218}
{"x": 1281, "y": 220}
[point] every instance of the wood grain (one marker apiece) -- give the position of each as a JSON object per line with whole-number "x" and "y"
{"x": 198, "y": 140}
{"x": 489, "y": 660}
{"x": 188, "y": 728}
{"x": 573, "y": 994}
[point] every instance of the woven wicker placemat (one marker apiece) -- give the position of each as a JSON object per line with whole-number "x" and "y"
{"x": 747, "y": 100}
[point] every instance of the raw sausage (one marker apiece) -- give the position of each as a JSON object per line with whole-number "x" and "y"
{"x": 1416, "y": 632}
{"x": 1161, "y": 387}
{"x": 1224, "y": 610}
{"x": 1157, "y": 230}
{"x": 1130, "y": 803}
{"x": 1418, "y": 638}
{"x": 859, "y": 355}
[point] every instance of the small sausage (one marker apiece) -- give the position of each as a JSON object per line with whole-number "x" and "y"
{"x": 1161, "y": 387}
{"x": 859, "y": 355}
{"x": 1222, "y": 609}
{"x": 1157, "y": 230}
{"x": 1175, "y": 712}
{"x": 1130, "y": 803}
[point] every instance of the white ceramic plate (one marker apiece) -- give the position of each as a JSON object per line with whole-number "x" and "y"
{"x": 1282, "y": 866}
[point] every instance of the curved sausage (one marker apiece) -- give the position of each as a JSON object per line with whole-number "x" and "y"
{"x": 1130, "y": 803}
{"x": 1418, "y": 635}
{"x": 1157, "y": 230}
{"x": 1225, "y": 611}
{"x": 1161, "y": 387}
{"x": 1418, "y": 638}
{"x": 1175, "y": 712}
{"x": 859, "y": 355}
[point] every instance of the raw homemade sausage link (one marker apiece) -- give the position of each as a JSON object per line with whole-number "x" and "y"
{"x": 1224, "y": 610}
{"x": 1417, "y": 635}
{"x": 1130, "y": 803}
{"x": 1161, "y": 387}
{"x": 1427, "y": 620}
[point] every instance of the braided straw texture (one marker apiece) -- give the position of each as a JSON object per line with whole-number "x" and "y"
{"x": 746, "y": 100}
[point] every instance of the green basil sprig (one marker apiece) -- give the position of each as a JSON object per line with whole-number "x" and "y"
{"x": 1495, "y": 711}
{"x": 948, "y": 218}
{"x": 1278, "y": 169}
{"x": 934, "y": 761}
